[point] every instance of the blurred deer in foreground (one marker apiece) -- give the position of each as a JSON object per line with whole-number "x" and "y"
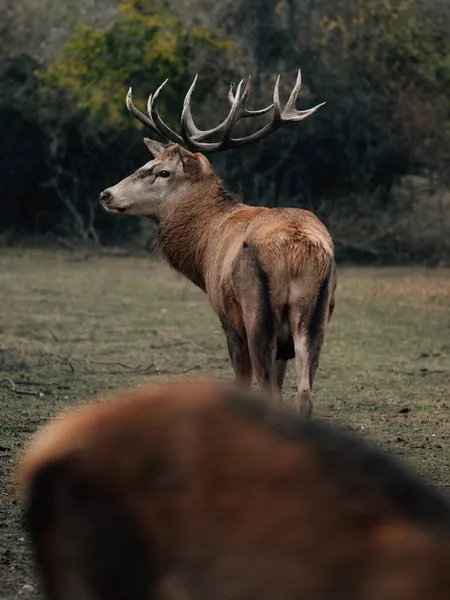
{"x": 269, "y": 273}
{"x": 198, "y": 491}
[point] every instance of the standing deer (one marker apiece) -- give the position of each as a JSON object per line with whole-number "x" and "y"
{"x": 196, "y": 491}
{"x": 269, "y": 273}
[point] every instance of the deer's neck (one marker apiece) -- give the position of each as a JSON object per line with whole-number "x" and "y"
{"x": 185, "y": 234}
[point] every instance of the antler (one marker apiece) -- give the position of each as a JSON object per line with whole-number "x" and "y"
{"x": 194, "y": 138}
{"x": 160, "y": 128}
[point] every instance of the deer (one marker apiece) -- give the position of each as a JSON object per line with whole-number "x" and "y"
{"x": 269, "y": 273}
{"x": 200, "y": 490}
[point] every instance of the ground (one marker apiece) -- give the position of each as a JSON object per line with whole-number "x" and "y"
{"x": 76, "y": 326}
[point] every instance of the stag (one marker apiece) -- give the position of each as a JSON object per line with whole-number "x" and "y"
{"x": 269, "y": 273}
{"x": 194, "y": 490}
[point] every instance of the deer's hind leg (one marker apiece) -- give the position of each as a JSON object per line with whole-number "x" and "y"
{"x": 262, "y": 353}
{"x": 308, "y": 332}
{"x": 281, "y": 372}
{"x": 260, "y": 323}
{"x": 239, "y": 356}
{"x": 303, "y": 363}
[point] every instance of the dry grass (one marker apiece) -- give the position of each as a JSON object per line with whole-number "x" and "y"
{"x": 74, "y": 329}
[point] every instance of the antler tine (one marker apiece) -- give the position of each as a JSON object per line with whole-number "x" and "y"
{"x": 191, "y": 133}
{"x": 187, "y": 121}
{"x": 188, "y": 128}
{"x": 238, "y": 100}
{"x": 244, "y": 113}
{"x": 290, "y": 113}
{"x": 276, "y": 102}
{"x": 147, "y": 121}
{"x": 237, "y": 109}
{"x": 231, "y": 92}
{"x": 159, "y": 123}
{"x": 294, "y": 94}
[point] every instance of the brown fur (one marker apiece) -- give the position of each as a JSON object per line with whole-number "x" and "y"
{"x": 197, "y": 492}
{"x": 240, "y": 255}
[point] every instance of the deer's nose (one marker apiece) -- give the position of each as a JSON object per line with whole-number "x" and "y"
{"x": 104, "y": 197}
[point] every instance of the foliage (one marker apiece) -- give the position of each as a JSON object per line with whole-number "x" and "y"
{"x": 144, "y": 48}
{"x": 88, "y": 138}
{"x": 379, "y": 63}
{"x": 397, "y": 55}
{"x": 383, "y": 67}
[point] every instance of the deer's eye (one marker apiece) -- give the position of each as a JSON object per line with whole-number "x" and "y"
{"x": 164, "y": 174}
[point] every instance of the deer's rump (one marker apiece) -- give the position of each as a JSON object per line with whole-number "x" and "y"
{"x": 295, "y": 268}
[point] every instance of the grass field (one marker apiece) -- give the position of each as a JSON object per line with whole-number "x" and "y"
{"x": 76, "y": 327}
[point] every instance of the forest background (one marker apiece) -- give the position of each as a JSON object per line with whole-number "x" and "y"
{"x": 373, "y": 163}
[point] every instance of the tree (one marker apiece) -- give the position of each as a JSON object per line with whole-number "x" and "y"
{"x": 93, "y": 140}
{"x": 142, "y": 49}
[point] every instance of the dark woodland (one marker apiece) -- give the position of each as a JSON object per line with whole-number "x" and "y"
{"x": 373, "y": 163}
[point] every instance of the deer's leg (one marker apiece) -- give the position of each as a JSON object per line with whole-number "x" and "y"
{"x": 307, "y": 353}
{"x": 281, "y": 372}
{"x": 308, "y": 341}
{"x": 263, "y": 348}
{"x": 259, "y": 320}
{"x": 308, "y": 325}
{"x": 239, "y": 356}
{"x": 304, "y": 379}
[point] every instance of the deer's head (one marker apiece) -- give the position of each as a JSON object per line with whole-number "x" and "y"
{"x": 157, "y": 187}
{"x": 176, "y": 165}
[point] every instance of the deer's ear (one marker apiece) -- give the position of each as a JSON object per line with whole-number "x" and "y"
{"x": 193, "y": 167}
{"x": 155, "y": 148}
